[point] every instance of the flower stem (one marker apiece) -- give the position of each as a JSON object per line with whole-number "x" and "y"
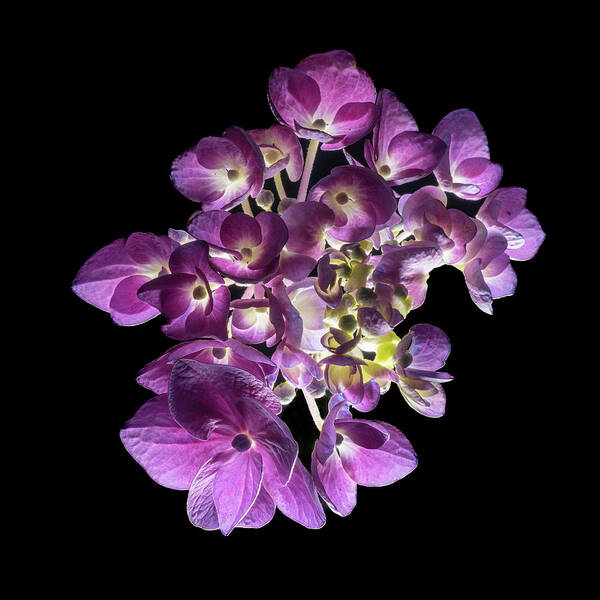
{"x": 279, "y": 186}
{"x": 313, "y": 146}
{"x": 314, "y": 410}
{"x": 246, "y": 207}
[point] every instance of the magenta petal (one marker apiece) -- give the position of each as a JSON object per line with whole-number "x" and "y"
{"x": 307, "y": 223}
{"x": 361, "y": 432}
{"x": 353, "y": 121}
{"x": 199, "y": 323}
{"x": 147, "y": 248}
{"x": 169, "y": 454}
{"x": 102, "y": 272}
{"x": 475, "y": 178}
{"x": 465, "y": 168}
{"x": 254, "y": 163}
{"x": 293, "y": 96}
{"x": 334, "y": 485}
{"x": 413, "y": 155}
{"x": 274, "y": 236}
{"x": 382, "y": 466}
{"x": 339, "y": 81}
{"x": 205, "y": 396}
{"x": 170, "y": 294}
{"x": 240, "y": 231}
{"x": 295, "y": 267}
{"x": 235, "y": 488}
{"x": 298, "y": 499}
{"x": 206, "y": 226}
{"x": 218, "y": 153}
{"x": 394, "y": 119}
{"x": 201, "y": 397}
{"x": 125, "y": 306}
{"x": 285, "y": 143}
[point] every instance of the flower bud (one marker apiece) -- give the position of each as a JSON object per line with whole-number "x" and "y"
{"x": 286, "y": 392}
{"x": 316, "y": 388}
{"x": 265, "y": 199}
{"x": 348, "y": 323}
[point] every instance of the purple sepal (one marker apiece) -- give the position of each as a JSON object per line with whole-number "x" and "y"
{"x": 465, "y": 168}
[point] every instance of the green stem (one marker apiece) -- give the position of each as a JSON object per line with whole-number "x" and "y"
{"x": 314, "y": 410}
{"x": 308, "y": 165}
{"x": 246, "y": 207}
{"x": 279, "y": 186}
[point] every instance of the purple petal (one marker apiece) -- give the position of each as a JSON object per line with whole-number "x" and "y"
{"x": 394, "y": 119}
{"x": 235, "y": 488}
{"x": 261, "y": 513}
{"x": 298, "y": 499}
{"x": 240, "y": 231}
{"x": 125, "y": 306}
{"x": 274, "y": 236}
{"x": 362, "y": 433}
{"x": 307, "y": 223}
{"x": 293, "y": 96}
{"x": 334, "y": 485}
{"x": 200, "y": 504}
{"x": 326, "y": 443}
{"x": 169, "y": 454}
{"x": 382, "y": 466}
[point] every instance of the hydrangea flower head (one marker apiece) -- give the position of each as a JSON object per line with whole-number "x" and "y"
{"x": 281, "y": 289}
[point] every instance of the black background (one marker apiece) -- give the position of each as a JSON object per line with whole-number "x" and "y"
{"x": 137, "y": 99}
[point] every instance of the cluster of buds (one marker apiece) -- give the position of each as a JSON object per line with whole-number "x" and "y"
{"x": 320, "y": 281}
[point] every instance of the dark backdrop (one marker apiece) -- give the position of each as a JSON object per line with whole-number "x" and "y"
{"x": 135, "y": 103}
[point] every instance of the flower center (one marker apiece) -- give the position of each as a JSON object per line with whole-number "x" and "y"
{"x": 384, "y": 171}
{"x": 218, "y": 353}
{"x": 271, "y": 157}
{"x": 319, "y": 124}
{"x": 199, "y": 293}
{"x": 241, "y": 442}
{"x": 339, "y": 438}
{"x": 246, "y": 253}
{"x": 405, "y": 360}
{"x": 233, "y": 175}
{"x": 342, "y": 198}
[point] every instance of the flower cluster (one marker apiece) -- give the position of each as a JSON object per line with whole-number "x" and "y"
{"x": 319, "y": 281}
